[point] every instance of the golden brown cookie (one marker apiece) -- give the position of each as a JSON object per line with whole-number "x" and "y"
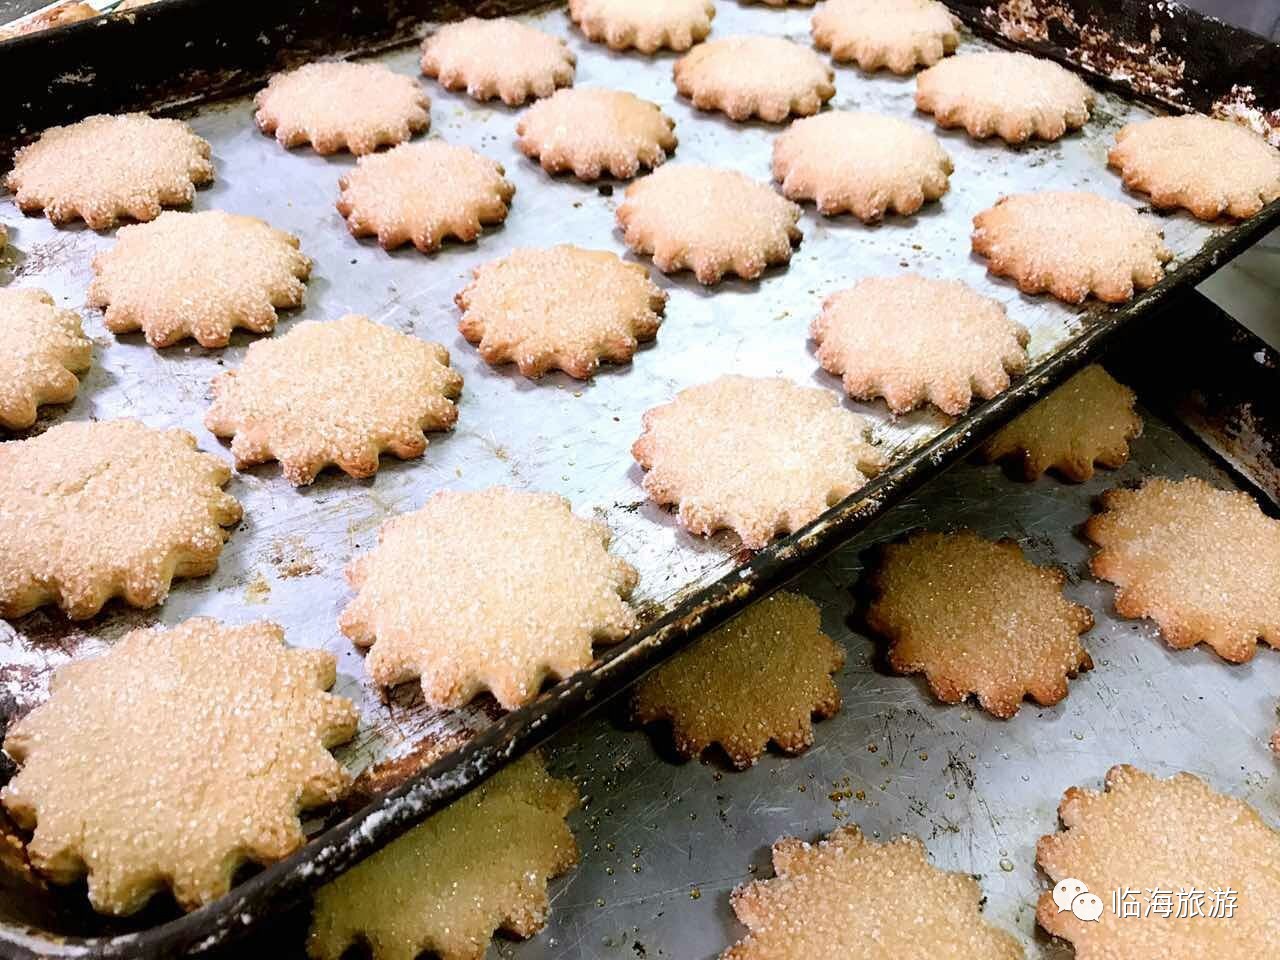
{"x": 766, "y": 77}
{"x": 1071, "y": 244}
{"x": 848, "y": 897}
{"x": 198, "y": 275}
{"x": 342, "y": 106}
{"x": 647, "y": 26}
{"x": 339, "y": 393}
{"x": 1012, "y": 95}
{"x": 478, "y": 866}
{"x": 1203, "y": 563}
{"x": 63, "y": 15}
{"x": 560, "y": 308}
{"x": 860, "y": 163}
{"x": 107, "y": 167}
{"x": 709, "y": 220}
{"x": 1201, "y": 868}
{"x": 900, "y": 35}
{"x": 592, "y": 132}
{"x": 423, "y": 193}
{"x": 492, "y": 590}
{"x": 758, "y": 455}
{"x": 759, "y": 679}
{"x": 914, "y": 340}
{"x": 1208, "y": 166}
{"x": 497, "y": 58}
{"x": 1088, "y": 420}
{"x": 104, "y": 509}
{"x": 173, "y": 758}
{"x": 42, "y": 348}
{"x": 976, "y": 617}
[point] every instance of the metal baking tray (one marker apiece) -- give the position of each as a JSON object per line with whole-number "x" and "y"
{"x": 284, "y": 562}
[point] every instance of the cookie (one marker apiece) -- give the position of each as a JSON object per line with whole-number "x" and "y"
{"x": 1087, "y": 421}
{"x": 342, "y": 106}
{"x": 114, "y": 770}
{"x": 198, "y": 275}
{"x": 1203, "y": 563}
{"x": 757, "y": 455}
{"x": 709, "y": 220}
{"x": 765, "y": 77}
{"x": 1014, "y": 96}
{"x": 648, "y": 27}
{"x": 103, "y": 509}
{"x": 844, "y": 897}
{"x": 560, "y": 308}
{"x": 759, "y": 679}
{"x": 1070, "y": 244}
{"x": 339, "y": 393}
{"x": 497, "y": 58}
{"x": 478, "y": 866}
{"x": 976, "y": 617}
{"x": 42, "y": 348}
{"x": 108, "y": 167}
{"x": 1207, "y": 166}
{"x": 592, "y": 132}
{"x": 1143, "y": 842}
{"x": 423, "y": 193}
{"x": 915, "y": 340}
{"x": 492, "y": 590}
{"x": 898, "y": 35}
{"x": 62, "y": 15}
{"x": 860, "y": 163}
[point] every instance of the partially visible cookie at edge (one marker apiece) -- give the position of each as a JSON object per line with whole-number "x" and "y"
{"x": 648, "y": 26}
{"x": 42, "y": 348}
{"x": 898, "y": 35}
{"x": 1087, "y": 421}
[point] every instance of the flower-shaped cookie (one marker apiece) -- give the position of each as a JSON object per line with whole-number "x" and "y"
{"x": 42, "y": 348}
{"x": 342, "y": 106}
{"x": 337, "y": 393}
{"x": 422, "y": 193}
{"x": 478, "y": 866}
{"x": 1203, "y": 563}
{"x": 648, "y": 26}
{"x": 592, "y": 132}
{"x": 560, "y": 308}
{"x": 861, "y": 163}
{"x": 1216, "y": 859}
{"x": 848, "y": 897}
{"x": 103, "y": 509}
{"x": 493, "y": 590}
{"x": 896, "y": 34}
{"x": 108, "y": 167}
{"x": 198, "y": 275}
{"x": 1210, "y": 167}
{"x": 497, "y": 58}
{"x": 115, "y": 777}
{"x": 760, "y": 678}
{"x": 708, "y": 220}
{"x": 760, "y": 456}
{"x": 1088, "y": 420}
{"x": 975, "y": 616}
{"x": 1070, "y": 244}
{"x": 766, "y": 77}
{"x": 913, "y": 340}
{"x": 1013, "y": 95}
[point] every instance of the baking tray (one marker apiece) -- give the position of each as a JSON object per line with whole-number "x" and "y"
{"x": 284, "y": 562}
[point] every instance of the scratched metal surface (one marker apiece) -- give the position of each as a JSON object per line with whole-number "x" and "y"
{"x": 664, "y": 843}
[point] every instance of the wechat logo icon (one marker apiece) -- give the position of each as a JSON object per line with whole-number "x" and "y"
{"x": 1071, "y": 894}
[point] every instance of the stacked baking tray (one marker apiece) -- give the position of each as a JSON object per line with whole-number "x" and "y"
{"x": 285, "y": 561}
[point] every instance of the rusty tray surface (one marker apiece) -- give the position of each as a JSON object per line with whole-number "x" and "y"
{"x": 284, "y": 562}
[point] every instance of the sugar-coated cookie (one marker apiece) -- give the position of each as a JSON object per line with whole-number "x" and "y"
{"x": 500, "y": 58}
{"x": 744, "y": 77}
{"x": 42, "y": 348}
